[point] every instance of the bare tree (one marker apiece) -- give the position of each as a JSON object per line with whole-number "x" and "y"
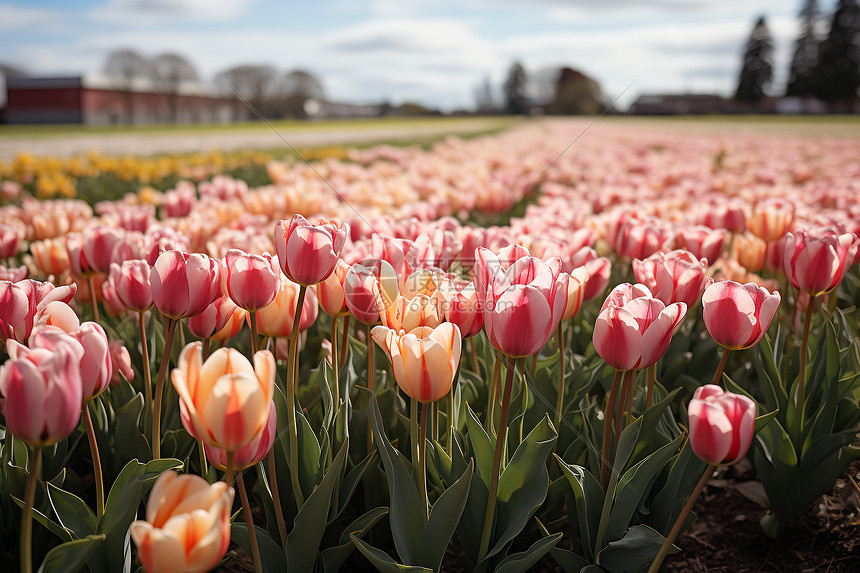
{"x": 254, "y": 83}
{"x": 127, "y": 65}
{"x": 295, "y": 88}
{"x": 170, "y": 70}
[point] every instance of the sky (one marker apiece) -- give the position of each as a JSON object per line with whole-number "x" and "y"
{"x": 433, "y": 52}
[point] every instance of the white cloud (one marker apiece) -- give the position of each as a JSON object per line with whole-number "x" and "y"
{"x": 137, "y": 12}
{"x": 18, "y": 18}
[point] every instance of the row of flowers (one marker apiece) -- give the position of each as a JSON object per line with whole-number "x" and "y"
{"x": 429, "y": 292}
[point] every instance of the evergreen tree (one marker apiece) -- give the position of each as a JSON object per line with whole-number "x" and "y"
{"x": 802, "y": 74}
{"x": 758, "y": 64}
{"x": 515, "y": 90}
{"x": 839, "y": 60}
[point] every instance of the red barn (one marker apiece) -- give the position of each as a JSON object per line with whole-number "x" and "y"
{"x": 101, "y": 100}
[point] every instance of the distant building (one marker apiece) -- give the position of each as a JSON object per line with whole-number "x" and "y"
{"x": 102, "y": 100}
{"x": 680, "y": 104}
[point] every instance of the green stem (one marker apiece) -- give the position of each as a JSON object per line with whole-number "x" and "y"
{"x": 292, "y": 386}
{"x": 159, "y": 389}
{"x": 413, "y": 435}
{"x": 492, "y": 394}
{"x": 497, "y": 462}
{"x": 626, "y": 385}
{"x": 804, "y": 345}
{"x": 608, "y": 411}
{"x": 344, "y": 340}
{"x": 371, "y": 374}
{"x": 147, "y": 375}
{"x": 718, "y": 375}
{"x": 435, "y": 429}
{"x": 27, "y": 515}
{"x": 207, "y": 346}
{"x": 276, "y": 498}
{"x": 201, "y": 452}
{"x": 649, "y": 389}
{"x": 679, "y": 523}
{"x": 450, "y": 399}
{"x": 334, "y": 362}
{"x": 252, "y": 319}
{"x": 559, "y": 404}
{"x": 422, "y": 461}
{"x": 97, "y": 463}
{"x": 91, "y": 282}
{"x": 473, "y": 355}
{"x": 249, "y": 522}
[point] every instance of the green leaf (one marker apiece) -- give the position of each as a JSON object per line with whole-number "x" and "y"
{"x": 634, "y": 552}
{"x": 72, "y": 512}
{"x": 762, "y": 421}
{"x": 665, "y": 507}
{"x": 64, "y": 534}
{"x": 71, "y": 556}
{"x": 569, "y": 561}
{"x": 334, "y": 557}
{"x": 310, "y": 470}
{"x": 407, "y": 509}
{"x": 382, "y": 561}
{"x": 523, "y": 485}
{"x": 309, "y": 526}
{"x": 350, "y": 483}
{"x": 522, "y": 562}
{"x": 588, "y": 499}
{"x": 130, "y": 442}
{"x": 634, "y": 485}
{"x": 482, "y": 447}
{"x": 271, "y": 555}
{"x": 443, "y": 520}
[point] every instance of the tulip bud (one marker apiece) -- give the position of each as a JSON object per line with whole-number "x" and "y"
{"x": 249, "y": 279}
{"x": 277, "y": 318}
{"x": 677, "y": 276}
{"x": 250, "y": 454}
{"x": 131, "y": 284}
{"x": 330, "y": 291}
{"x": 42, "y": 388}
{"x": 183, "y": 284}
{"x": 736, "y": 315}
{"x": 308, "y": 253}
{"x": 187, "y": 527}
{"x": 816, "y": 263}
{"x": 721, "y": 424}
{"x": 361, "y": 291}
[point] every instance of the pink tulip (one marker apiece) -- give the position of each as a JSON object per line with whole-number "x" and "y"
{"x": 184, "y": 284}
{"x": 424, "y": 360}
{"x": 736, "y": 315}
{"x": 250, "y": 280}
{"x": 213, "y": 319}
{"x": 120, "y": 363}
{"x": 42, "y": 388}
{"x": 91, "y": 251}
{"x": 10, "y": 237}
{"x": 96, "y": 365}
{"x": 178, "y": 202}
{"x": 641, "y": 239}
{"x": 131, "y": 283}
{"x": 20, "y": 302}
{"x": 702, "y": 242}
{"x": 676, "y": 276}
{"x": 187, "y": 527}
{"x": 361, "y": 291}
{"x": 816, "y": 263}
{"x": 250, "y": 454}
{"x": 235, "y": 322}
{"x": 308, "y": 253}
{"x": 524, "y": 303}
{"x": 633, "y": 329}
{"x": 13, "y": 274}
{"x": 576, "y": 285}
{"x": 330, "y": 291}
{"x": 721, "y": 424}
{"x": 462, "y": 307}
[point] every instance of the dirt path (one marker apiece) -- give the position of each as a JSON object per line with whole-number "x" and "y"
{"x": 262, "y": 137}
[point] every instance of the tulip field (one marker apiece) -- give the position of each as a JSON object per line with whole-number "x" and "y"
{"x": 504, "y": 353}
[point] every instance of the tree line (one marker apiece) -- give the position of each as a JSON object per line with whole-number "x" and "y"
{"x": 270, "y": 92}
{"x": 826, "y": 67}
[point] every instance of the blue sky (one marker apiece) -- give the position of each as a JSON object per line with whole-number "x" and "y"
{"x": 434, "y": 52}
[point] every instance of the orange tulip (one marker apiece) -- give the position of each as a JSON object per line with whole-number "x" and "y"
{"x": 226, "y": 398}
{"x": 424, "y": 360}
{"x": 187, "y": 527}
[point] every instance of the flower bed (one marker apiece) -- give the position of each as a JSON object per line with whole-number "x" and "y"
{"x": 482, "y": 353}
